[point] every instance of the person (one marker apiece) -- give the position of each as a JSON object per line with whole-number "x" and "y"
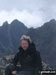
{"x": 28, "y": 57}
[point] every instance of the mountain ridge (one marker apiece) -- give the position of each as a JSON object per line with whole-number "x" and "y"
{"x": 44, "y": 37}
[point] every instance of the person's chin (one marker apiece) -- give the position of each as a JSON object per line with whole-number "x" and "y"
{"x": 25, "y": 49}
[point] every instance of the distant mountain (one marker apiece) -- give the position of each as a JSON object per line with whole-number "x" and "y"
{"x": 10, "y": 35}
{"x": 45, "y": 40}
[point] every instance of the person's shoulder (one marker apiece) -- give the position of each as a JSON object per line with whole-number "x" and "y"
{"x": 17, "y": 53}
{"x": 33, "y": 44}
{"x": 38, "y": 53}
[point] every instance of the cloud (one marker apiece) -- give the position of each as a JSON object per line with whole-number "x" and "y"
{"x": 33, "y": 13}
{"x": 30, "y": 19}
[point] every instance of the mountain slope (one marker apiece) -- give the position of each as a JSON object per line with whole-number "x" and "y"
{"x": 10, "y": 35}
{"x": 45, "y": 40}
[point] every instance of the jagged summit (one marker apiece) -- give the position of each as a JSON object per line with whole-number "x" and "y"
{"x": 5, "y": 23}
{"x": 52, "y": 20}
{"x": 16, "y": 22}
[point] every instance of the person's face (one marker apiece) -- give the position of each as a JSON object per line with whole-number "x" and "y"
{"x": 24, "y": 44}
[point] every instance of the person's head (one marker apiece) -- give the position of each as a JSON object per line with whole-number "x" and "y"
{"x": 25, "y": 41}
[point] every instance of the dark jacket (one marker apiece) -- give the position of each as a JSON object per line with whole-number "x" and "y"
{"x": 28, "y": 59}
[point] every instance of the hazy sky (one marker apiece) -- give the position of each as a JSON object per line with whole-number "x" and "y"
{"x": 33, "y": 13}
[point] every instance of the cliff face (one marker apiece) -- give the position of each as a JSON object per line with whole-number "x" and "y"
{"x": 10, "y": 35}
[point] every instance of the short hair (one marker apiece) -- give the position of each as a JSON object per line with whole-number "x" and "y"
{"x": 26, "y": 37}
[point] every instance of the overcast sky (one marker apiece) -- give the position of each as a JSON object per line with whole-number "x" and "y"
{"x": 33, "y": 13}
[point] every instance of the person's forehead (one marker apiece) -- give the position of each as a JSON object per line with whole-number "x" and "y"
{"x": 24, "y": 41}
